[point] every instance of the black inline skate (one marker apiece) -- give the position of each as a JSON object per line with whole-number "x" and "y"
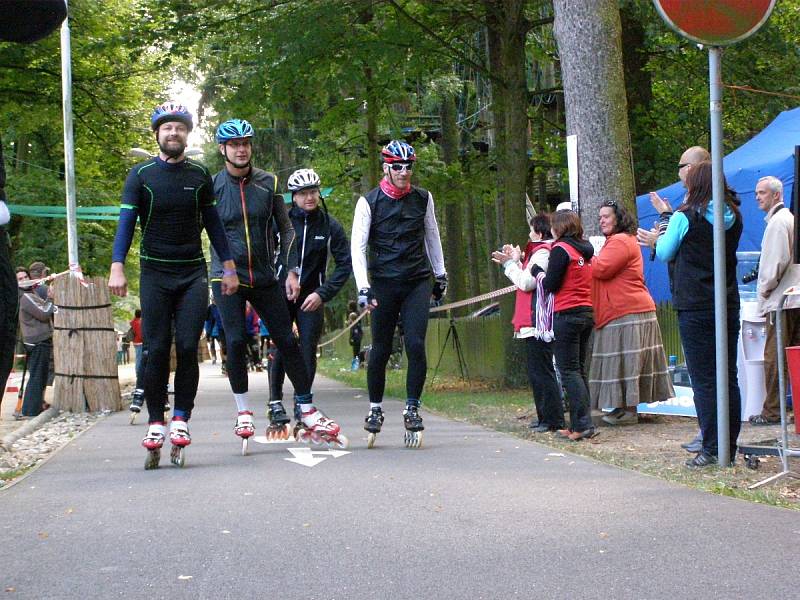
{"x": 278, "y": 428}
{"x": 414, "y": 427}
{"x": 372, "y": 424}
{"x": 137, "y": 401}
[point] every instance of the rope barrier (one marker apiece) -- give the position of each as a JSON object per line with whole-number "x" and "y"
{"x": 443, "y": 307}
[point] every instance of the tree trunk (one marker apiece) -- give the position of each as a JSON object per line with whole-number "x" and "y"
{"x": 588, "y": 36}
{"x": 474, "y": 279}
{"x": 507, "y": 29}
{"x": 490, "y": 237}
{"x": 373, "y": 170}
{"x": 454, "y": 246}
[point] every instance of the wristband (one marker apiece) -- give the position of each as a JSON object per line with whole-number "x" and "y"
{"x": 228, "y": 272}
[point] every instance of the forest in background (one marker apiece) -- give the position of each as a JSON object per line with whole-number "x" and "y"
{"x": 476, "y": 86}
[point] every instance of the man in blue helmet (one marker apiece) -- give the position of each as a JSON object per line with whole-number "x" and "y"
{"x": 396, "y": 221}
{"x": 250, "y": 209}
{"x": 173, "y": 199}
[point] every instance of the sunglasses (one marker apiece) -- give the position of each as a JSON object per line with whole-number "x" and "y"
{"x": 681, "y": 165}
{"x": 610, "y": 203}
{"x": 397, "y": 167}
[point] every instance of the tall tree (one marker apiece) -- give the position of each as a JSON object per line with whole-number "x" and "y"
{"x": 588, "y": 33}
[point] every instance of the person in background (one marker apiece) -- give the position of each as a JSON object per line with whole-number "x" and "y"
{"x": 688, "y": 243}
{"x": 569, "y": 278}
{"x": 35, "y": 320}
{"x": 136, "y": 328}
{"x": 775, "y": 275}
{"x": 628, "y": 362}
{"x": 356, "y": 335}
{"x": 648, "y": 237}
{"x": 533, "y": 322}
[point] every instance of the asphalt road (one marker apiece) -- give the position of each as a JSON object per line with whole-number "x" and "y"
{"x": 472, "y": 514}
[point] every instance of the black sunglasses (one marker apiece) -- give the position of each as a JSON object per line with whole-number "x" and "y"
{"x": 610, "y": 203}
{"x": 681, "y": 165}
{"x": 401, "y": 167}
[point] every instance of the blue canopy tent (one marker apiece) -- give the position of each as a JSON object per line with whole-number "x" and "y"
{"x": 770, "y": 152}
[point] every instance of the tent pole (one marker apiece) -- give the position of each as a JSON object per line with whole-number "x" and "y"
{"x": 69, "y": 143}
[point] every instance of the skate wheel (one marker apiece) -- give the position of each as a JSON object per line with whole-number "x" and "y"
{"x": 413, "y": 439}
{"x": 133, "y": 418}
{"x": 178, "y": 456}
{"x": 152, "y": 459}
{"x": 244, "y": 446}
{"x": 371, "y": 439}
{"x": 340, "y": 442}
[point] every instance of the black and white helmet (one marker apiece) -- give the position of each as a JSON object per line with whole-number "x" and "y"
{"x": 303, "y": 179}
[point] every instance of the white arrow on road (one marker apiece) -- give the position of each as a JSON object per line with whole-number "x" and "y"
{"x": 305, "y": 456}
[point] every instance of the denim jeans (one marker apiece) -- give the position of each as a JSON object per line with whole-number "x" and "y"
{"x": 699, "y": 347}
{"x": 573, "y": 332}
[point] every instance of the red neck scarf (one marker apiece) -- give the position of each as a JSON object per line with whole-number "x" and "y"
{"x": 392, "y": 190}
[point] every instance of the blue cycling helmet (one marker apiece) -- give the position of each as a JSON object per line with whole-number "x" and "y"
{"x": 398, "y": 151}
{"x": 234, "y": 129}
{"x": 171, "y": 111}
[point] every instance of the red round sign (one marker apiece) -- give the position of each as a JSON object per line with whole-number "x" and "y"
{"x": 715, "y": 22}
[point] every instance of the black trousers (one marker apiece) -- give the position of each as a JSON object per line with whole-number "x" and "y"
{"x": 270, "y": 304}
{"x": 542, "y": 377}
{"x": 172, "y": 299}
{"x": 309, "y": 326}
{"x": 38, "y": 371}
{"x": 9, "y": 307}
{"x": 409, "y": 301}
{"x": 573, "y": 331}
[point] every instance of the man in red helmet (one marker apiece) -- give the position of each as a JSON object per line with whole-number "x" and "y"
{"x": 396, "y": 221}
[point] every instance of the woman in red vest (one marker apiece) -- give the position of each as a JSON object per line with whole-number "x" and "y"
{"x": 569, "y": 279}
{"x": 628, "y": 363}
{"x": 531, "y": 322}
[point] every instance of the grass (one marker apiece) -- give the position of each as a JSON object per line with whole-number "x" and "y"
{"x": 633, "y": 448}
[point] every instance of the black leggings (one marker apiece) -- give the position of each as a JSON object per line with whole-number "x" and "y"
{"x": 270, "y": 304}
{"x": 178, "y": 299}
{"x": 309, "y": 326}
{"x": 410, "y": 300}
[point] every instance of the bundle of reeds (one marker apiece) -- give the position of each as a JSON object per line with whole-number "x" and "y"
{"x": 84, "y": 345}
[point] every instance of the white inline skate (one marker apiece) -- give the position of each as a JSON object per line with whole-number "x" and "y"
{"x": 315, "y": 428}
{"x": 244, "y": 428}
{"x": 152, "y": 442}
{"x": 179, "y": 438}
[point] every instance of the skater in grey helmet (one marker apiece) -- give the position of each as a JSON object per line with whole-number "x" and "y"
{"x": 397, "y": 223}
{"x": 320, "y": 237}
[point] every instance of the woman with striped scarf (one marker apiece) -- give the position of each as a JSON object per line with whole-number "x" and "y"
{"x": 533, "y": 322}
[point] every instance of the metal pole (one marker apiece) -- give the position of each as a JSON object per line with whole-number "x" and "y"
{"x": 69, "y": 144}
{"x": 720, "y": 295}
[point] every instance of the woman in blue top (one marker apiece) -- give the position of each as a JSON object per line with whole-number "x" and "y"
{"x": 688, "y": 247}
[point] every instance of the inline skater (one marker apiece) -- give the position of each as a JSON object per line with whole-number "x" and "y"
{"x": 319, "y": 237}
{"x": 397, "y": 222}
{"x": 248, "y": 206}
{"x": 173, "y": 199}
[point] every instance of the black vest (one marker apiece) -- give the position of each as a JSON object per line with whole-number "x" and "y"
{"x": 397, "y": 235}
{"x": 693, "y": 272}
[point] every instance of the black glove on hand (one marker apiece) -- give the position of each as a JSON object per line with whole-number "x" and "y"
{"x": 439, "y": 287}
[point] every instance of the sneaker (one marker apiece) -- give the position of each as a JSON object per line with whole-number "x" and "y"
{"x": 620, "y": 416}
{"x": 696, "y": 445}
{"x": 762, "y": 420}
{"x": 703, "y": 459}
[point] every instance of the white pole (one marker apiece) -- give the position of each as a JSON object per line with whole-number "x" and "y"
{"x": 720, "y": 291}
{"x": 69, "y": 144}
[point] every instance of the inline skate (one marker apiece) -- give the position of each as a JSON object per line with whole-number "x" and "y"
{"x": 372, "y": 424}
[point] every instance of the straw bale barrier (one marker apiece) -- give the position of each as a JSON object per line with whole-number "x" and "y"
{"x": 85, "y": 347}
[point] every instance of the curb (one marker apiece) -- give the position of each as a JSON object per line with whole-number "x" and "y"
{"x": 28, "y": 428}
